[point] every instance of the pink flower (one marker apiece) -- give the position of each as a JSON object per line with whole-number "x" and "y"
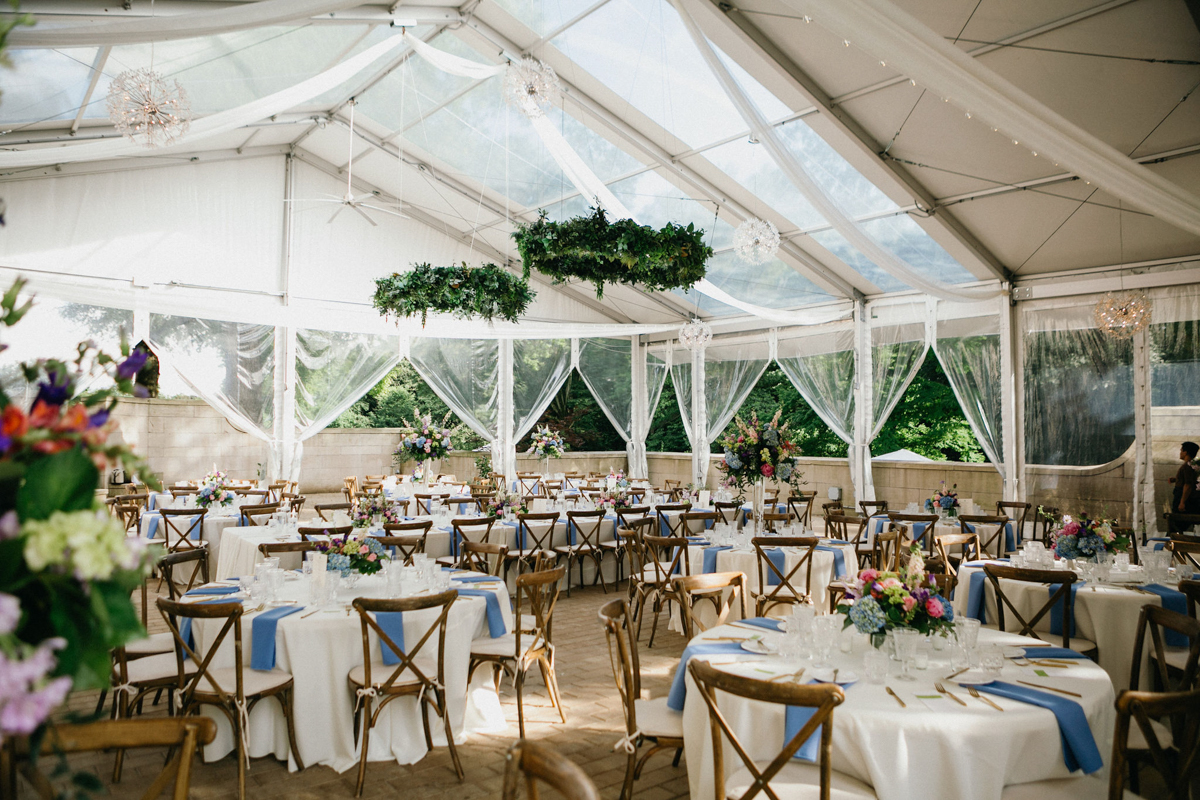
{"x": 371, "y": 557}
{"x": 767, "y": 470}
{"x": 363, "y": 549}
{"x": 1071, "y": 528}
{"x": 868, "y": 575}
{"x": 909, "y": 603}
{"x": 888, "y": 583}
{"x": 933, "y": 607}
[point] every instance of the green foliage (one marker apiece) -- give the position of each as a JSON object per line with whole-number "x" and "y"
{"x": 576, "y": 415}
{"x": 483, "y": 467}
{"x": 593, "y": 249}
{"x": 666, "y": 433}
{"x": 928, "y": 420}
{"x": 487, "y": 291}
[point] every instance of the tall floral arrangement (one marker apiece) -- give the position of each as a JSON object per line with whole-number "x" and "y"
{"x": 1083, "y": 538}
{"x": 882, "y": 601}
{"x": 424, "y": 440}
{"x": 756, "y": 450}
{"x": 545, "y": 443}
{"x": 67, "y": 569}
{"x": 214, "y": 490}
{"x": 943, "y": 500}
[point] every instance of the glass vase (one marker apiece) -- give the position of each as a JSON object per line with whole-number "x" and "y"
{"x": 759, "y": 503}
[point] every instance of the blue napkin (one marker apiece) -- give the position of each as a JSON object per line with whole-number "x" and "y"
{"x": 262, "y": 636}
{"x": 839, "y": 560}
{"x": 918, "y": 531}
{"x": 1078, "y": 745}
{"x": 795, "y": 718}
{"x": 976, "y": 608}
{"x": 392, "y": 623}
{"x": 154, "y": 519}
{"x": 763, "y": 622}
{"x": 777, "y": 557}
{"x": 1053, "y": 652}
{"x": 710, "y": 558}
{"x": 678, "y": 683}
{"x": 1010, "y": 542}
{"x": 185, "y": 623}
{"x": 495, "y": 619}
{"x": 477, "y": 578}
{"x": 213, "y": 590}
{"x": 1159, "y": 541}
{"x": 1172, "y": 600}
{"x": 1056, "y": 621}
{"x": 982, "y": 563}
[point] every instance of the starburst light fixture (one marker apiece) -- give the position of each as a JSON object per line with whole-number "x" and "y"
{"x": 1122, "y": 314}
{"x": 756, "y": 241}
{"x": 151, "y": 110}
{"x": 530, "y": 85}
{"x": 695, "y": 335}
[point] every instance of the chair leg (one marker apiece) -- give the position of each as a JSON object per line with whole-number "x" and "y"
{"x": 424, "y": 712}
{"x": 240, "y": 735}
{"x": 365, "y": 740}
{"x": 551, "y": 680}
{"x": 627, "y": 785}
{"x": 445, "y": 713}
{"x": 654, "y": 627}
{"x": 287, "y": 700}
{"x": 100, "y": 702}
{"x": 678, "y": 753}
{"x": 520, "y": 684}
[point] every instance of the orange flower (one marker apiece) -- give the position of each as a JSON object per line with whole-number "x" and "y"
{"x": 14, "y": 422}
{"x": 43, "y": 414}
{"x": 76, "y": 419}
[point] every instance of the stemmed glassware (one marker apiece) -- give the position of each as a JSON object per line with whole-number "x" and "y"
{"x": 906, "y": 641}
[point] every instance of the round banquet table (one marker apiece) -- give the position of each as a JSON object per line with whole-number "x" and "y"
{"x": 934, "y": 749}
{"x": 320, "y": 650}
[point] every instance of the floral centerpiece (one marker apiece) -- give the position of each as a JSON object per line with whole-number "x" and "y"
{"x": 67, "y": 569}
{"x": 371, "y": 508}
{"x": 504, "y": 504}
{"x": 545, "y": 443}
{"x": 423, "y": 441}
{"x": 755, "y": 451}
{"x": 347, "y": 554}
{"x": 214, "y": 490}
{"x": 616, "y": 479}
{"x": 943, "y": 500}
{"x": 612, "y": 500}
{"x": 883, "y": 601}
{"x": 1083, "y": 538}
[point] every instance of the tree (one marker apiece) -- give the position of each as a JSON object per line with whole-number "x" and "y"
{"x": 928, "y": 420}
{"x": 578, "y": 417}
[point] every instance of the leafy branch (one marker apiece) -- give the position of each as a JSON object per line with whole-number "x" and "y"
{"x": 487, "y": 291}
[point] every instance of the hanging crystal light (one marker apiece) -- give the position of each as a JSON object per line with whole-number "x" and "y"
{"x": 756, "y": 241}
{"x": 1122, "y": 314}
{"x": 530, "y": 85}
{"x": 151, "y": 110}
{"x": 695, "y": 335}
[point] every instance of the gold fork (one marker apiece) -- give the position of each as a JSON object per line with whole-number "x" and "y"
{"x": 975, "y": 693}
{"x": 942, "y": 690}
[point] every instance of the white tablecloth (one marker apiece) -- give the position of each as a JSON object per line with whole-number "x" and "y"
{"x": 215, "y": 523}
{"x": 320, "y": 650}
{"x": 948, "y": 754}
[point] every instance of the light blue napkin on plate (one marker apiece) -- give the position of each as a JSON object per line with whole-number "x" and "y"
{"x": 679, "y": 684}
{"x": 262, "y": 636}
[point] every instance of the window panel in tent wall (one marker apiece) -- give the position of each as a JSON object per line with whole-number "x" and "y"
{"x": 44, "y": 84}
{"x": 216, "y": 224}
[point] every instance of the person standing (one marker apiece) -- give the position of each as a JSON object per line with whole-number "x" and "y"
{"x": 1184, "y": 497}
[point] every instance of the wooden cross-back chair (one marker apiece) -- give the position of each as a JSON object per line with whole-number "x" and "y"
{"x": 775, "y": 584}
{"x": 467, "y": 529}
{"x": 658, "y": 727}
{"x": 483, "y": 501}
{"x": 1017, "y": 511}
{"x": 182, "y": 491}
{"x": 1177, "y": 759}
{"x": 969, "y": 549}
{"x": 992, "y": 530}
{"x": 261, "y": 495}
{"x": 772, "y": 522}
{"x": 425, "y": 503}
{"x": 754, "y": 777}
{"x": 182, "y": 736}
{"x": 728, "y": 511}
{"x": 538, "y": 761}
{"x": 887, "y": 547}
{"x": 835, "y": 507}
{"x": 1045, "y": 519}
{"x": 694, "y": 523}
{"x": 270, "y": 549}
{"x": 403, "y": 547}
{"x": 128, "y": 514}
{"x": 721, "y": 589}
{"x": 292, "y": 502}
{"x": 921, "y": 525}
{"x": 322, "y": 508}
{"x": 307, "y": 534}
{"x": 663, "y": 558}
{"x": 586, "y": 526}
{"x": 530, "y": 484}
{"x": 621, "y": 546}
{"x": 631, "y": 535}
{"x": 480, "y": 557}
{"x": 177, "y": 535}
{"x": 1178, "y": 522}
{"x": 667, "y": 525}
{"x": 531, "y": 643}
{"x": 376, "y": 683}
{"x": 1185, "y": 551}
{"x": 417, "y": 527}
{"x": 1060, "y": 578}
{"x": 247, "y": 515}
{"x": 225, "y": 688}
{"x": 800, "y": 506}
{"x": 171, "y": 568}
{"x": 532, "y": 542}
{"x": 275, "y": 490}
{"x": 871, "y": 508}
{"x": 853, "y": 530}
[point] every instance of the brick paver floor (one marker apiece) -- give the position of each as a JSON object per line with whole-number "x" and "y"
{"x": 594, "y": 724}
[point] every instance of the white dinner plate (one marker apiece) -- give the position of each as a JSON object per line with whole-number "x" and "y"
{"x": 973, "y": 677}
{"x": 759, "y": 646}
{"x": 844, "y": 676}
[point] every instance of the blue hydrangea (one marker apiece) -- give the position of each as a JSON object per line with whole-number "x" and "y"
{"x": 771, "y": 437}
{"x": 339, "y": 563}
{"x": 867, "y": 616}
{"x": 1090, "y": 545}
{"x": 1066, "y": 547}
{"x": 785, "y": 472}
{"x": 733, "y": 461}
{"x": 946, "y": 502}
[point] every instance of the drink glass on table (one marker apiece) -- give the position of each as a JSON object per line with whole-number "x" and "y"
{"x": 906, "y": 645}
{"x": 875, "y": 665}
{"x": 992, "y": 659}
{"x": 967, "y": 632}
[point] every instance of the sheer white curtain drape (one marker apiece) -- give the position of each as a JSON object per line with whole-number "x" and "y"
{"x": 610, "y": 369}
{"x": 540, "y": 367}
{"x": 821, "y": 367}
{"x": 968, "y": 347}
{"x": 465, "y": 374}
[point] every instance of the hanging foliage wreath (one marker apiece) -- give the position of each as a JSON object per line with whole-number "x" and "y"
{"x": 487, "y": 291}
{"x": 593, "y": 249}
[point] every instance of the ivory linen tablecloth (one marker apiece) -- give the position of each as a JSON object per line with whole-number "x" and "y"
{"x": 939, "y": 751}
{"x": 320, "y": 650}
{"x": 215, "y": 523}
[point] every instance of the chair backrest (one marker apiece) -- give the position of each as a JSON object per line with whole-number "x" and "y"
{"x": 872, "y": 507}
{"x": 482, "y": 500}
{"x": 914, "y": 522}
{"x": 188, "y": 683}
{"x": 969, "y": 542}
{"x": 197, "y": 576}
{"x": 587, "y": 527}
{"x": 408, "y": 668}
{"x": 404, "y": 547}
{"x": 129, "y": 515}
{"x": 292, "y": 502}
{"x": 538, "y": 761}
{"x": 323, "y": 530}
{"x": 1185, "y": 551}
{"x": 692, "y": 523}
{"x": 775, "y": 583}
{"x": 1046, "y": 518}
{"x": 992, "y": 530}
{"x": 350, "y": 484}
{"x": 247, "y": 514}
{"x": 773, "y": 522}
{"x": 262, "y": 495}
{"x": 180, "y": 525}
{"x": 183, "y": 735}
{"x": 425, "y": 503}
{"x": 822, "y": 697}
{"x": 672, "y": 525}
{"x": 1191, "y": 590}
{"x": 529, "y": 484}
{"x": 482, "y": 557}
{"x": 1061, "y": 578}
{"x": 539, "y": 591}
{"x": 472, "y": 529}
{"x": 1175, "y": 760}
{"x": 847, "y": 528}
{"x": 182, "y": 491}
{"x": 800, "y": 506}
{"x": 623, "y": 657}
{"x": 625, "y": 516}
{"x": 711, "y": 587}
{"x": 887, "y": 546}
{"x": 1153, "y": 620}
{"x": 269, "y": 549}
{"x": 664, "y": 554}
{"x": 321, "y": 508}
{"x": 1178, "y": 522}
{"x": 728, "y": 511}
{"x": 633, "y": 535}
{"x": 833, "y": 507}
{"x": 539, "y": 538}
{"x": 1015, "y": 510}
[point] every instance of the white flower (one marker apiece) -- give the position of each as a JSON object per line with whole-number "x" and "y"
{"x": 88, "y": 543}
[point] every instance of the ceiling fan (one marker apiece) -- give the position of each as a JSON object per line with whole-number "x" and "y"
{"x": 349, "y": 200}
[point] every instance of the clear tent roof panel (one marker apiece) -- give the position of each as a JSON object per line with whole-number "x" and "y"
{"x": 773, "y": 284}
{"x": 545, "y": 16}
{"x": 45, "y": 84}
{"x": 374, "y": 36}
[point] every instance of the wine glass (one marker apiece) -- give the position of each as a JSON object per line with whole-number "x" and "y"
{"x": 906, "y": 646}
{"x": 825, "y": 631}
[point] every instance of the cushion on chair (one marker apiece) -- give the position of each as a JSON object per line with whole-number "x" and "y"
{"x": 655, "y": 719}
{"x": 1137, "y": 740}
{"x": 153, "y": 644}
{"x": 380, "y": 673}
{"x": 253, "y": 681}
{"x": 156, "y": 668}
{"x": 798, "y": 781}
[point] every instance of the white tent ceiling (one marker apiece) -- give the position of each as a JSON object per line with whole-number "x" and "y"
{"x": 960, "y": 202}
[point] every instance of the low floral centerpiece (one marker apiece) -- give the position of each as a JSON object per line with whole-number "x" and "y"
{"x": 347, "y": 554}
{"x": 374, "y": 508}
{"x": 756, "y": 452}
{"x": 617, "y": 498}
{"x": 616, "y": 479}
{"x": 545, "y": 443}
{"x": 214, "y": 490}
{"x": 943, "y": 500}
{"x": 1080, "y": 538}
{"x": 506, "y": 504}
{"x": 877, "y": 602}
{"x": 67, "y": 568}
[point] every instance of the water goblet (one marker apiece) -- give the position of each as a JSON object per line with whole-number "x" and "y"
{"x": 992, "y": 659}
{"x": 967, "y": 632}
{"x": 245, "y": 582}
{"x": 906, "y": 644}
{"x": 875, "y": 666}
{"x": 825, "y": 631}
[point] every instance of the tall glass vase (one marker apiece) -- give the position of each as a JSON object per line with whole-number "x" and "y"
{"x": 546, "y": 468}
{"x": 759, "y": 501}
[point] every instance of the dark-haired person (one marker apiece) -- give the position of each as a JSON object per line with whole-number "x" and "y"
{"x": 1185, "y": 499}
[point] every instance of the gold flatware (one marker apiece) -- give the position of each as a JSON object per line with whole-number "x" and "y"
{"x": 893, "y": 694}
{"x": 794, "y": 676}
{"x": 954, "y": 675}
{"x": 1050, "y": 688}
{"x": 975, "y": 693}
{"x": 1035, "y": 662}
{"x": 835, "y": 672}
{"x": 309, "y": 614}
{"x": 943, "y": 690}
{"x": 724, "y": 639}
{"x": 748, "y": 626}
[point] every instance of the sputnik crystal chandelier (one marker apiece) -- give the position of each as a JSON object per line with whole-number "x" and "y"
{"x": 530, "y": 85}
{"x": 695, "y": 335}
{"x": 149, "y": 109}
{"x": 1123, "y": 314}
{"x": 756, "y": 241}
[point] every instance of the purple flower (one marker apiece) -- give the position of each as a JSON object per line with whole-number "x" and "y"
{"x": 99, "y": 418}
{"x": 130, "y": 366}
{"x": 10, "y": 526}
{"x": 23, "y": 713}
{"x": 10, "y": 613}
{"x": 5, "y": 443}
{"x": 55, "y": 390}
{"x": 141, "y": 391}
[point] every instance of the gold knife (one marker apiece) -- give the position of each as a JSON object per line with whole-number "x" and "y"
{"x": 1050, "y": 688}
